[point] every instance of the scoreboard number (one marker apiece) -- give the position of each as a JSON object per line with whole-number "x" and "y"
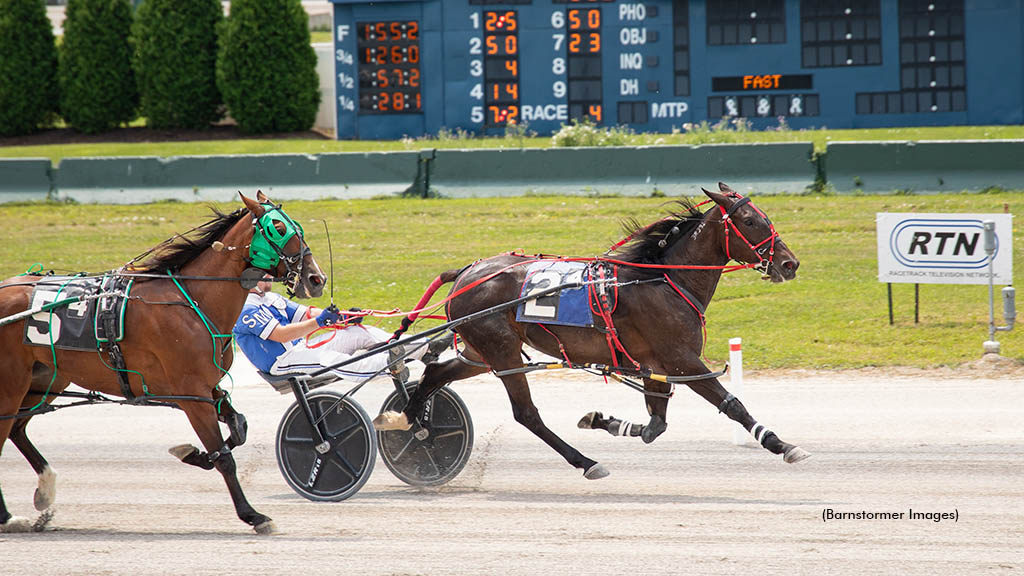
{"x": 389, "y": 67}
{"x": 501, "y": 67}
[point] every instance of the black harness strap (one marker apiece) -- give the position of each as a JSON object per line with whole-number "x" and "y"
{"x": 117, "y": 359}
{"x": 736, "y": 206}
{"x": 697, "y": 304}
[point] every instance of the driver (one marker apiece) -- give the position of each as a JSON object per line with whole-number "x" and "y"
{"x": 271, "y": 331}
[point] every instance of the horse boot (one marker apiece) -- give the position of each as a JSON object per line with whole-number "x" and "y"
{"x": 437, "y": 347}
{"x": 617, "y": 427}
{"x": 238, "y": 427}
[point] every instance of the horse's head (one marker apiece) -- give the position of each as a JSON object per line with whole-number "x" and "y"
{"x": 751, "y": 238}
{"x": 279, "y": 247}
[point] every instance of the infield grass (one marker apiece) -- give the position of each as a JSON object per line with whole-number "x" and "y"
{"x": 386, "y": 251}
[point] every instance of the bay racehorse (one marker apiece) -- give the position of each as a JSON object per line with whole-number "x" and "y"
{"x": 664, "y": 278}
{"x": 175, "y": 348}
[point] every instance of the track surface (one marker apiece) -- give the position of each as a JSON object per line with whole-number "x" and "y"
{"x": 690, "y": 503}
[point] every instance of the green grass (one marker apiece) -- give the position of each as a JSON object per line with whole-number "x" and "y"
{"x": 460, "y": 140}
{"x": 834, "y": 315}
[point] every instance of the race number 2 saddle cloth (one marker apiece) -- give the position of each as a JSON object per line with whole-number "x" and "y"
{"x": 568, "y": 307}
{"x": 96, "y": 317}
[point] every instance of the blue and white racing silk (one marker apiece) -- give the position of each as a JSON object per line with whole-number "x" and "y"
{"x": 259, "y": 317}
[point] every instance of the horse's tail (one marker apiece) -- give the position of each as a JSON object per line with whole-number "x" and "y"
{"x": 442, "y": 279}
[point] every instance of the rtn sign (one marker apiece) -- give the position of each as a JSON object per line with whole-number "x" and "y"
{"x": 927, "y": 242}
{"x": 943, "y": 248}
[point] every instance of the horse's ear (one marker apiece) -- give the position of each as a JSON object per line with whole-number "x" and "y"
{"x": 262, "y": 198}
{"x": 253, "y": 206}
{"x": 720, "y": 199}
{"x": 725, "y": 188}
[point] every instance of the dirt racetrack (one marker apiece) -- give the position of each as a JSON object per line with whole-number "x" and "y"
{"x": 939, "y": 441}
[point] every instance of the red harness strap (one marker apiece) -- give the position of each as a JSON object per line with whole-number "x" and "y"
{"x": 700, "y": 313}
{"x": 561, "y": 347}
{"x": 600, "y": 305}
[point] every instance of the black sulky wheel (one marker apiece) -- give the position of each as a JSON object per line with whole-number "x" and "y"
{"x": 433, "y": 458}
{"x": 346, "y": 461}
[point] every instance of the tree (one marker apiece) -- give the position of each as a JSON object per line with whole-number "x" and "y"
{"x": 28, "y": 67}
{"x": 97, "y": 85}
{"x": 175, "y": 62}
{"x": 266, "y": 69}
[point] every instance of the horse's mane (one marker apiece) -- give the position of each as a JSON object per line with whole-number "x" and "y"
{"x": 644, "y": 247}
{"x": 178, "y": 250}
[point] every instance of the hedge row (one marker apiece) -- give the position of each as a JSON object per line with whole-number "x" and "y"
{"x": 178, "y": 63}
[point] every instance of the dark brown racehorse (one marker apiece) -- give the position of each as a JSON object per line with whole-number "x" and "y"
{"x": 165, "y": 341}
{"x": 667, "y": 276}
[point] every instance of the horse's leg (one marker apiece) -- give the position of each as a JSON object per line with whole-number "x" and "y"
{"x": 713, "y": 391}
{"x": 526, "y": 413}
{"x": 218, "y": 455}
{"x": 657, "y": 407}
{"x": 46, "y": 490}
{"x": 5, "y": 429}
{"x": 11, "y": 398}
{"x": 435, "y": 376}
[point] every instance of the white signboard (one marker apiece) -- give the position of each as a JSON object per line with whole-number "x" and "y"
{"x": 942, "y": 248}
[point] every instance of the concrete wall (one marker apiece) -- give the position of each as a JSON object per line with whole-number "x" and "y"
{"x": 925, "y": 166}
{"x": 765, "y": 168}
{"x": 24, "y": 179}
{"x": 875, "y": 167}
{"x": 219, "y": 178}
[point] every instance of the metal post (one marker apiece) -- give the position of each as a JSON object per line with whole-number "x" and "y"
{"x": 917, "y": 292}
{"x": 889, "y": 288}
{"x": 990, "y": 346}
{"x": 739, "y": 434}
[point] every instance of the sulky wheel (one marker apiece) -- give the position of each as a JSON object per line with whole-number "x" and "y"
{"x": 347, "y": 458}
{"x": 435, "y": 453}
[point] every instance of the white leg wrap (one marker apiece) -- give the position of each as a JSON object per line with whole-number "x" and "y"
{"x": 46, "y": 490}
{"x": 624, "y": 428}
{"x": 759, "y": 431}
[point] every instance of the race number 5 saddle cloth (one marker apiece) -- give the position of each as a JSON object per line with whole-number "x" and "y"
{"x": 96, "y": 317}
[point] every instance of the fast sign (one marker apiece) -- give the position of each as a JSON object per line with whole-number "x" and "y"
{"x": 942, "y": 248}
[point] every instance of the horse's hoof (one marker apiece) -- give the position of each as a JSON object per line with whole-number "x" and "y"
{"x": 596, "y": 472}
{"x": 587, "y": 422}
{"x": 16, "y": 525}
{"x": 265, "y": 528}
{"x": 46, "y": 492}
{"x": 795, "y": 454}
{"x": 182, "y": 451}
{"x": 391, "y": 421}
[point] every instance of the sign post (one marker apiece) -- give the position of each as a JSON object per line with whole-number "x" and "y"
{"x": 991, "y": 346}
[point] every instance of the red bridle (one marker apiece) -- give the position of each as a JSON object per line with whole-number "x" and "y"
{"x": 767, "y": 245}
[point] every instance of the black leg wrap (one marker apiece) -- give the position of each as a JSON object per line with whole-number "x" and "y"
{"x": 206, "y": 460}
{"x": 772, "y": 443}
{"x": 199, "y": 459}
{"x": 238, "y": 427}
{"x": 617, "y": 427}
{"x": 733, "y": 408}
{"x": 653, "y": 429}
{"x": 725, "y": 403}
